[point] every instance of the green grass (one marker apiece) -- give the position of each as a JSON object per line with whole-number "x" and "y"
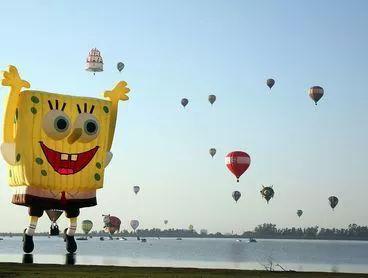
{"x": 70, "y": 271}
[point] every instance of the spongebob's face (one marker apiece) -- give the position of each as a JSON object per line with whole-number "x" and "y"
{"x": 60, "y": 141}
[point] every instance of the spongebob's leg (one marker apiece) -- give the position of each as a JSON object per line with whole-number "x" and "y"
{"x": 28, "y": 244}
{"x": 72, "y": 214}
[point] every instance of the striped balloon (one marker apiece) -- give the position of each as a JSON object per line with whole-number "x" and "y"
{"x": 316, "y": 93}
{"x": 237, "y": 162}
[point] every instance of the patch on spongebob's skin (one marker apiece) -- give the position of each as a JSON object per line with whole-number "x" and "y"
{"x": 97, "y": 177}
{"x": 39, "y": 161}
{"x": 43, "y": 173}
{"x": 35, "y": 99}
{"x": 33, "y": 110}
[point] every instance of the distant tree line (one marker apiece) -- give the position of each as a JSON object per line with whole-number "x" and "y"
{"x": 266, "y": 230}
{"x": 269, "y": 230}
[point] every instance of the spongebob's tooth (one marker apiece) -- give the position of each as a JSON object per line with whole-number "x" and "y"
{"x": 64, "y": 156}
{"x": 74, "y": 157}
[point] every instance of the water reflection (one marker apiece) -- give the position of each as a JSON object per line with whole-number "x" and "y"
{"x": 208, "y": 253}
{"x": 70, "y": 259}
{"x": 27, "y": 259}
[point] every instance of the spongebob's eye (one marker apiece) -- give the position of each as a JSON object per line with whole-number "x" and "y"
{"x": 56, "y": 124}
{"x": 90, "y": 126}
{"x": 61, "y": 123}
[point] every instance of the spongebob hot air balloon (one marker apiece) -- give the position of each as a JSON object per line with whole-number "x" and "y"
{"x": 57, "y": 147}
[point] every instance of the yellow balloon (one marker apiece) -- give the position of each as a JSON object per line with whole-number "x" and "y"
{"x": 57, "y": 146}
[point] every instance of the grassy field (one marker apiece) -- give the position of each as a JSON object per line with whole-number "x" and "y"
{"x": 48, "y": 270}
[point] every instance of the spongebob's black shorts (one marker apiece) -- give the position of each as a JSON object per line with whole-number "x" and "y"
{"x": 38, "y": 212}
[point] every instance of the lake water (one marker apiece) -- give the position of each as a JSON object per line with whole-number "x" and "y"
{"x": 299, "y": 255}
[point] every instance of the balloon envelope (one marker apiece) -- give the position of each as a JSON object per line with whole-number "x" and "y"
{"x": 333, "y": 200}
{"x": 87, "y": 226}
{"x": 184, "y": 102}
{"x": 316, "y": 93}
{"x": 212, "y": 99}
{"x": 237, "y": 162}
{"x": 267, "y": 193}
{"x": 212, "y": 152}
{"x": 120, "y": 66}
{"x": 299, "y": 212}
{"x": 111, "y": 223}
{"x": 54, "y": 214}
{"x": 236, "y": 195}
{"x": 136, "y": 189}
{"x": 134, "y": 224}
{"x": 270, "y": 82}
{"x": 94, "y": 62}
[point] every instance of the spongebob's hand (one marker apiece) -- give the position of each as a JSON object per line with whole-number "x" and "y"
{"x": 12, "y": 79}
{"x": 118, "y": 93}
{"x": 8, "y": 153}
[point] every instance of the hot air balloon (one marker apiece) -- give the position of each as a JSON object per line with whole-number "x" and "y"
{"x": 270, "y": 82}
{"x": 237, "y": 162}
{"x": 136, "y": 189}
{"x": 54, "y": 215}
{"x": 120, "y": 66}
{"x": 184, "y": 102}
{"x": 267, "y": 192}
{"x": 212, "y": 152}
{"x": 191, "y": 227}
{"x": 236, "y": 195}
{"x": 111, "y": 224}
{"x": 166, "y": 221}
{"x": 65, "y": 178}
{"x": 299, "y": 212}
{"x": 87, "y": 226}
{"x": 94, "y": 61}
{"x": 212, "y": 99}
{"x": 134, "y": 224}
{"x": 316, "y": 93}
{"x": 333, "y": 200}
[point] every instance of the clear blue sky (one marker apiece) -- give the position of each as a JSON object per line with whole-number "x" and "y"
{"x": 175, "y": 49}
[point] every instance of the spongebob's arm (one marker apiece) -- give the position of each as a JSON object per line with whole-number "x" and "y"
{"x": 12, "y": 79}
{"x": 118, "y": 93}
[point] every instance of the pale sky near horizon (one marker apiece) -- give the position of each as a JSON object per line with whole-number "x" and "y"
{"x": 175, "y": 49}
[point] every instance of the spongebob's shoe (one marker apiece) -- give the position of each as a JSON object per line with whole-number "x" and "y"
{"x": 71, "y": 245}
{"x": 28, "y": 244}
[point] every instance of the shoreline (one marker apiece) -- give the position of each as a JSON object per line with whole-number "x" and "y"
{"x": 54, "y": 270}
{"x": 5, "y": 235}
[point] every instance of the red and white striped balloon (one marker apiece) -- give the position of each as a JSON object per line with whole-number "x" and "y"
{"x": 237, "y": 162}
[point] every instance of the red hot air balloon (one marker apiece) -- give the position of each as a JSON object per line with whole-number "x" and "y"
{"x": 237, "y": 162}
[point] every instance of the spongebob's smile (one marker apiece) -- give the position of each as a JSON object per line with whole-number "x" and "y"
{"x": 68, "y": 164}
